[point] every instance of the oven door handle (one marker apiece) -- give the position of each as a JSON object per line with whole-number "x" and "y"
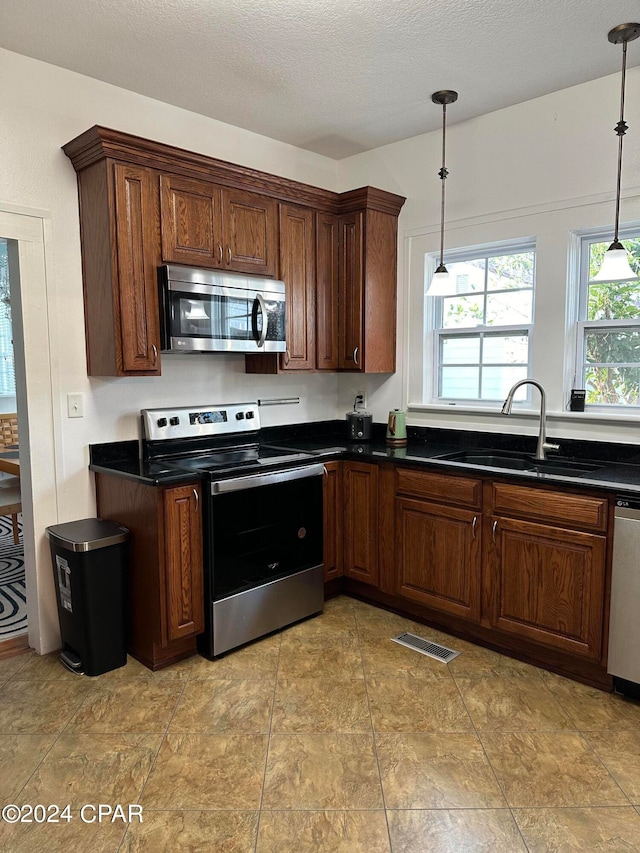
{"x": 236, "y": 484}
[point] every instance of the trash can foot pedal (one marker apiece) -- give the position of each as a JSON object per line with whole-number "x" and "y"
{"x": 72, "y": 662}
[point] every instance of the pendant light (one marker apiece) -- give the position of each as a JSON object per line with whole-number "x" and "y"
{"x": 615, "y": 265}
{"x": 441, "y": 281}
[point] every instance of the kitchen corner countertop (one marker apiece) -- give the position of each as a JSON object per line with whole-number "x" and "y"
{"x": 616, "y": 466}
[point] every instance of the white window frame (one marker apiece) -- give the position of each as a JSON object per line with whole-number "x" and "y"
{"x": 434, "y": 330}
{"x": 597, "y": 235}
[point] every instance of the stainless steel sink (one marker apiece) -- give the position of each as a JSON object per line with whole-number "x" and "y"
{"x": 521, "y": 462}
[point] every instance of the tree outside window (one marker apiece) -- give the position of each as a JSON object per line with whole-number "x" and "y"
{"x": 609, "y": 339}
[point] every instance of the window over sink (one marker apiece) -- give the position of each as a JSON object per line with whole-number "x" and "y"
{"x": 477, "y": 338}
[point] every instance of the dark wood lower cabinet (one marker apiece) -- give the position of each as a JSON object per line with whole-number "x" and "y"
{"x": 165, "y": 604}
{"x": 332, "y": 517}
{"x": 546, "y": 584}
{"x": 438, "y": 556}
{"x": 360, "y": 495}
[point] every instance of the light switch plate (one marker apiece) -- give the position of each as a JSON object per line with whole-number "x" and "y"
{"x": 75, "y": 406}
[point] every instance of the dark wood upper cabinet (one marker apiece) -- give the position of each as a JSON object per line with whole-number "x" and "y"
{"x": 327, "y": 291}
{"x": 143, "y": 203}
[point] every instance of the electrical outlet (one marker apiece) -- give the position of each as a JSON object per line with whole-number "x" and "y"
{"x": 75, "y": 406}
{"x": 360, "y": 401}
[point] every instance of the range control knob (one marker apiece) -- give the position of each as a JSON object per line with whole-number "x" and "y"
{"x": 174, "y": 421}
{"x": 162, "y": 422}
{"x": 239, "y": 416}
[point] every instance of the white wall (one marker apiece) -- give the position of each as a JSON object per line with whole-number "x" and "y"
{"x": 543, "y": 168}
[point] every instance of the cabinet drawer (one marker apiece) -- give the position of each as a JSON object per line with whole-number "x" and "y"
{"x": 439, "y": 487}
{"x": 558, "y": 508}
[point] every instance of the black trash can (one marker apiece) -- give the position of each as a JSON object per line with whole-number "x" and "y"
{"x": 89, "y": 562}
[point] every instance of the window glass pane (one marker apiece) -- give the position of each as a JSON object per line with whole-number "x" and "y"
{"x": 618, "y": 386}
{"x": 506, "y": 349}
{"x": 459, "y": 382}
{"x": 509, "y": 308}
{"x": 462, "y": 311}
{"x": 497, "y": 381}
{"x": 7, "y": 369}
{"x": 612, "y": 346}
{"x": 618, "y": 300}
{"x": 467, "y": 276}
{"x": 507, "y": 272}
{"x": 460, "y": 350}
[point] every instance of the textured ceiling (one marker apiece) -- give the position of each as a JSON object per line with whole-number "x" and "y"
{"x": 334, "y": 76}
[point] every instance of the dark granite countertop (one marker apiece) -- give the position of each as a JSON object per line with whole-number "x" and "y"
{"x": 616, "y": 466}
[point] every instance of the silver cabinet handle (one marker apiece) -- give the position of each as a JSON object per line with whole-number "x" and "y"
{"x": 154, "y": 350}
{"x": 228, "y": 254}
{"x": 494, "y": 527}
{"x": 355, "y": 356}
{"x": 286, "y": 357}
{"x": 219, "y": 253}
{"x": 197, "y": 497}
{"x": 473, "y": 525}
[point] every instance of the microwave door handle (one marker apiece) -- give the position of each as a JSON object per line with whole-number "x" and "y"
{"x": 259, "y": 304}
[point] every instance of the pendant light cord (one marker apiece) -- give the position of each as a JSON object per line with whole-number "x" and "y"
{"x": 621, "y": 128}
{"x": 443, "y": 176}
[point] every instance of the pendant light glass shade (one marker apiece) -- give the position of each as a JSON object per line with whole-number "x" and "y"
{"x": 615, "y": 264}
{"x": 441, "y": 282}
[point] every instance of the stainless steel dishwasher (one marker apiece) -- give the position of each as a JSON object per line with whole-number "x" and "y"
{"x": 624, "y": 625}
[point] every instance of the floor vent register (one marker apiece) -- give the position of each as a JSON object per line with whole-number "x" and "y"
{"x": 426, "y": 647}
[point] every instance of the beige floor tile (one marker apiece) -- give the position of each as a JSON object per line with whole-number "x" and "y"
{"x": 607, "y": 830}
{"x": 620, "y": 754}
{"x": 416, "y": 705}
{"x": 207, "y": 772}
{"x": 168, "y": 831}
{"x": 84, "y": 768}
{"x": 136, "y": 705}
{"x": 335, "y": 617}
{"x": 337, "y": 705}
{"x": 479, "y": 663}
{"x": 591, "y": 709}
{"x": 257, "y": 658}
{"x": 67, "y": 836}
{"x": 321, "y": 771}
{"x": 454, "y": 831}
{"x": 40, "y": 706}
{"x": 135, "y": 669}
{"x": 19, "y": 757}
{"x": 382, "y": 658}
{"x": 323, "y": 832}
{"x": 499, "y": 703}
{"x": 432, "y": 771}
{"x": 9, "y": 666}
{"x": 215, "y": 705}
{"x": 320, "y": 655}
{"x": 550, "y": 769}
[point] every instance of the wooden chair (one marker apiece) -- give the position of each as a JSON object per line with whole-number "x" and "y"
{"x": 11, "y": 503}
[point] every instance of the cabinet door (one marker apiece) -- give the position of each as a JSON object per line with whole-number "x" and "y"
{"x": 546, "y": 584}
{"x": 190, "y": 219}
{"x": 438, "y": 553}
{"x": 351, "y": 256}
{"x": 332, "y": 517}
{"x": 297, "y": 270}
{"x": 360, "y": 492}
{"x": 136, "y": 303}
{"x": 250, "y": 225}
{"x": 183, "y": 567}
{"x": 327, "y": 278}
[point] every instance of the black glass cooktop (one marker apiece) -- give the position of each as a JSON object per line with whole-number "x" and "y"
{"x": 232, "y": 459}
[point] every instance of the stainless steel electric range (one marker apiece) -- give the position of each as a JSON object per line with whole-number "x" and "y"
{"x": 262, "y": 519}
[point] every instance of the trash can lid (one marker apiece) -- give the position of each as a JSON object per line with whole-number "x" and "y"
{"x": 87, "y": 534}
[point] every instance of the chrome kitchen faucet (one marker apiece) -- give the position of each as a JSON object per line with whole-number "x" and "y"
{"x": 543, "y": 445}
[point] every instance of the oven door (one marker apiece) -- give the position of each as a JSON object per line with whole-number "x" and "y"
{"x": 263, "y": 555}
{"x": 213, "y": 318}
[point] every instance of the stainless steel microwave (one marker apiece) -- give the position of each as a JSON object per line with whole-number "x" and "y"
{"x": 204, "y": 310}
